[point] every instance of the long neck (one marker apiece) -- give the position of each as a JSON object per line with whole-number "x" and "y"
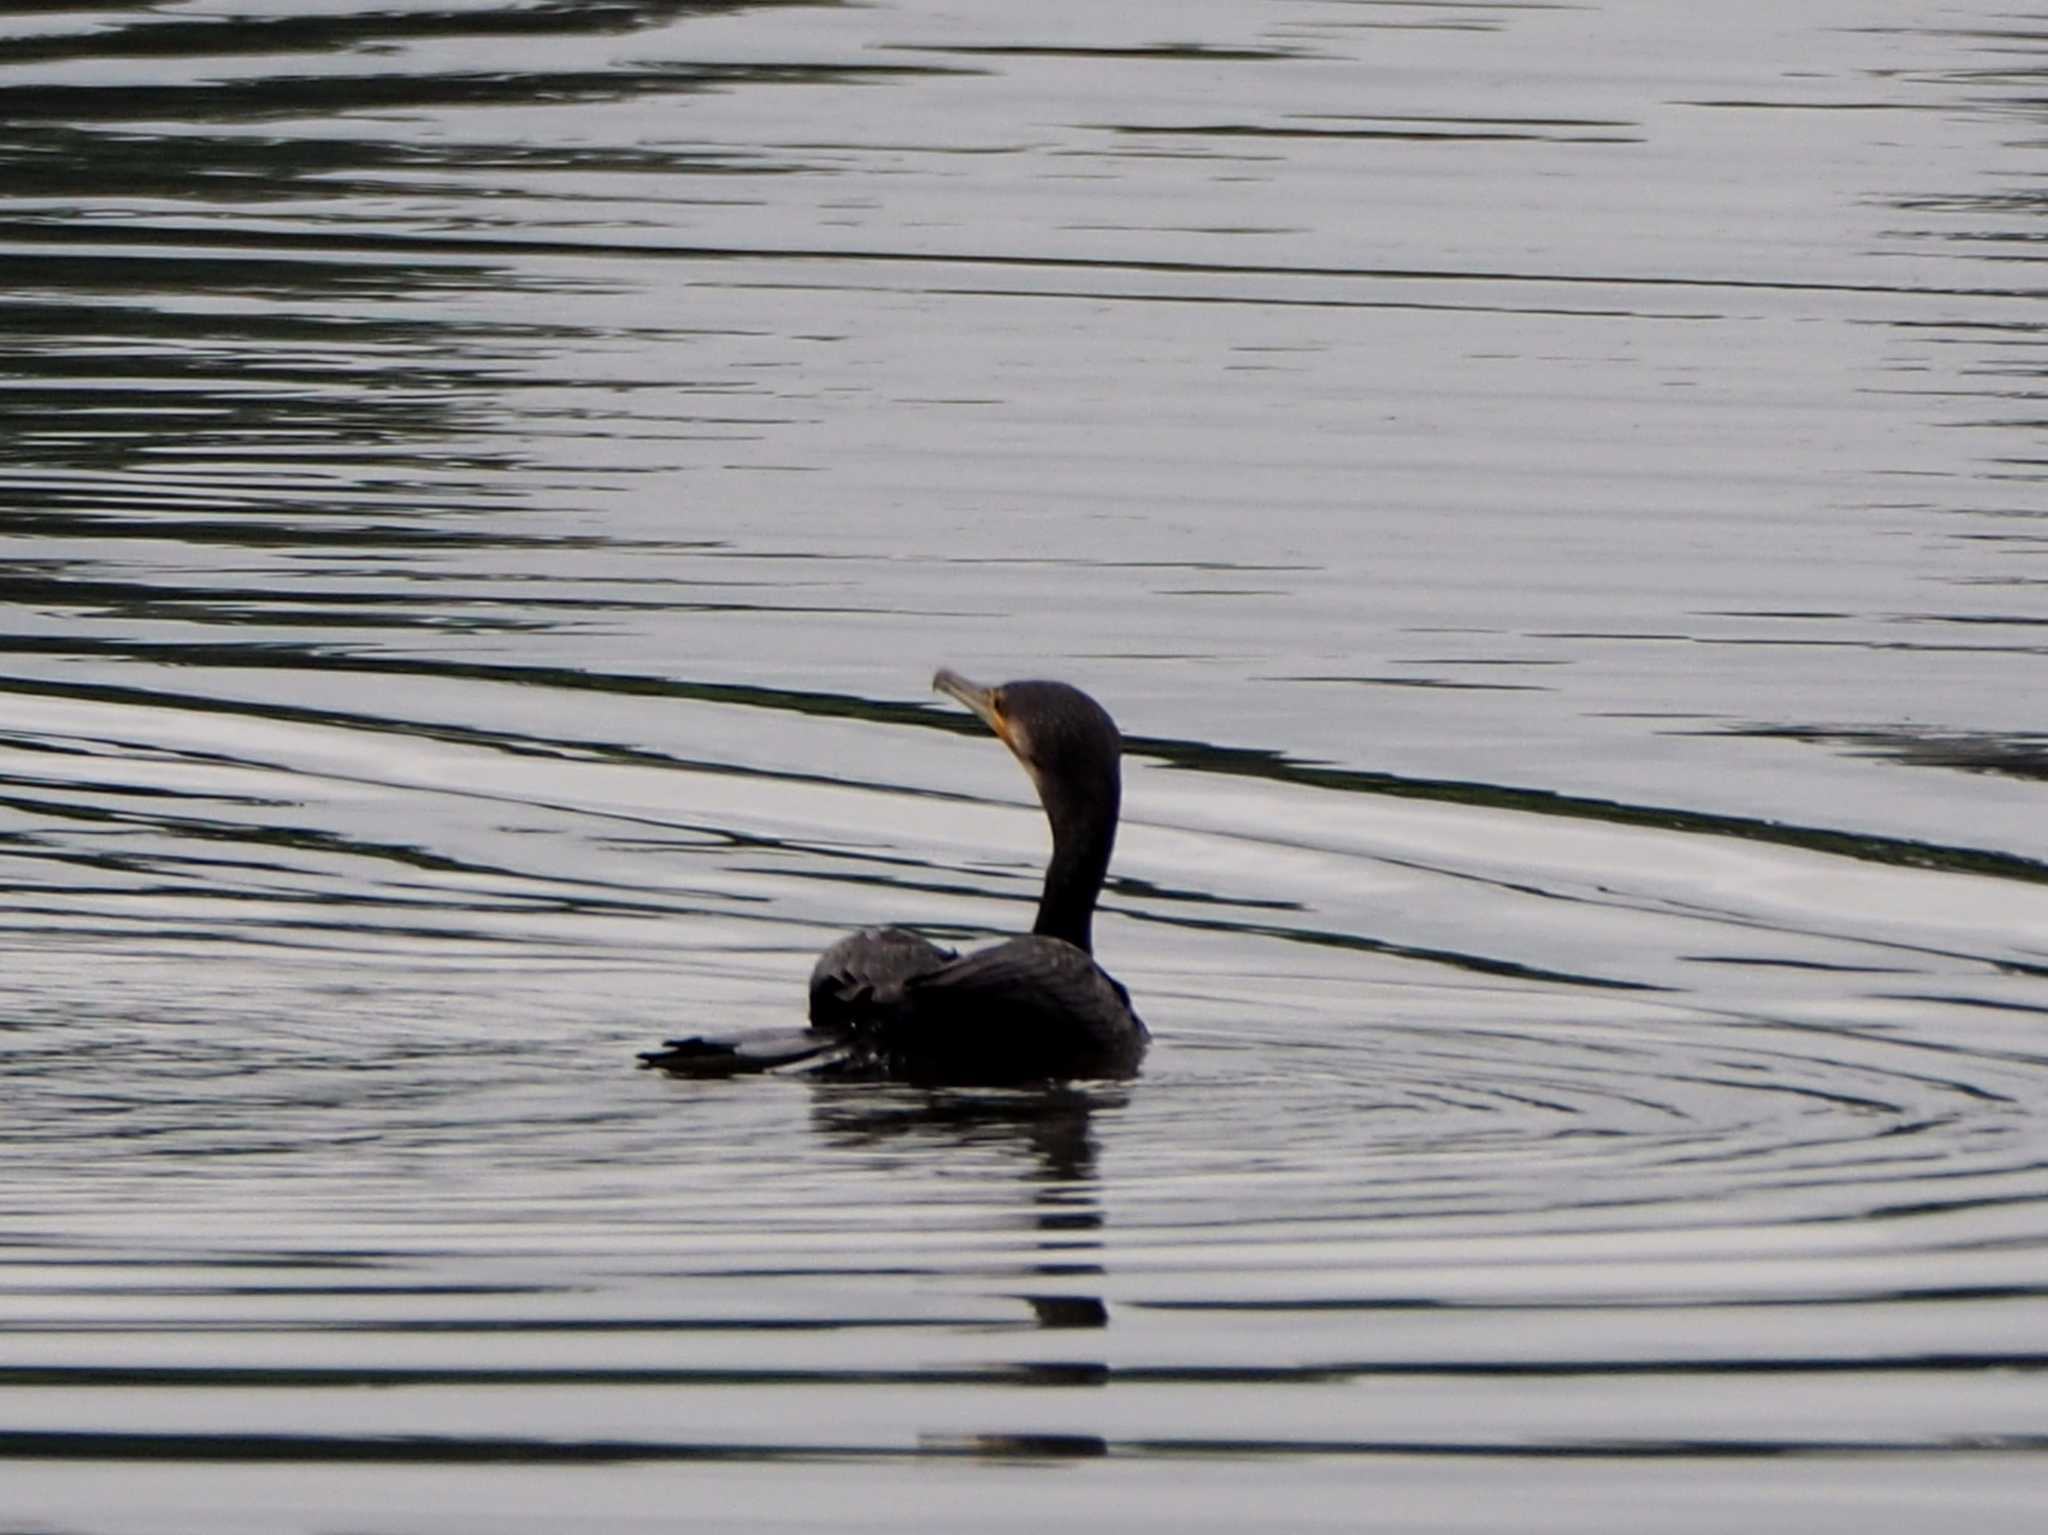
{"x": 1082, "y": 838}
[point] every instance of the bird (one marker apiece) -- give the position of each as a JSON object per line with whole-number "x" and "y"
{"x": 887, "y": 1004}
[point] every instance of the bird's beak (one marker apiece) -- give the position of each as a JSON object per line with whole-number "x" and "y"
{"x": 980, "y": 699}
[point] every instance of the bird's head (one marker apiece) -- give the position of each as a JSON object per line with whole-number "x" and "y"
{"x": 1065, "y": 740}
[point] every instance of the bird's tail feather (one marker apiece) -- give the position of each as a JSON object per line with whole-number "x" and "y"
{"x": 698, "y": 1056}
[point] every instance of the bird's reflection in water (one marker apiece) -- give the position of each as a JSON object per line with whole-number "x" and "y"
{"x": 1053, "y": 1131}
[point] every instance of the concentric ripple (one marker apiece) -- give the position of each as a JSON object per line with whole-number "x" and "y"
{"x": 1550, "y": 492}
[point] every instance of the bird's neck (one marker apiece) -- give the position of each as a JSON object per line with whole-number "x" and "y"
{"x": 1081, "y": 845}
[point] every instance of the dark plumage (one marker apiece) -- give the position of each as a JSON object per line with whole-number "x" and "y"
{"x": 886, "y": 1003}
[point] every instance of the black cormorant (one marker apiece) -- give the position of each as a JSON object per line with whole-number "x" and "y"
{"x": 888, "y": 1004}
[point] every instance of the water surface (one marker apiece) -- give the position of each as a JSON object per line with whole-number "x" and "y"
{"x": 1553, "y": 496}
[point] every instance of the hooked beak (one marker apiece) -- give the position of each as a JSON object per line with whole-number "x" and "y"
{"x": 980, "y": 699}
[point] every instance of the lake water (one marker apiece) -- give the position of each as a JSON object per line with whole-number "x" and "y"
{"x": 1554, "y": 496}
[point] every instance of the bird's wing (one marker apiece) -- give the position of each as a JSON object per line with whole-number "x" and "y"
{"x": 868, "y": 969}
{"x": 1034, "y": 1007}
{"x": 1042, "y": 974}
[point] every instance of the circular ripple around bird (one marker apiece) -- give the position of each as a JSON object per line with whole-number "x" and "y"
{"x": 1631, "y": 1118}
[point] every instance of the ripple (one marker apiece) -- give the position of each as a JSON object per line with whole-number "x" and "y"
{"x": 486, "y": 515}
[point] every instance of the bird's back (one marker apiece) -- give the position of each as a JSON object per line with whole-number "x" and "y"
{"x": 1025, "y": 1010}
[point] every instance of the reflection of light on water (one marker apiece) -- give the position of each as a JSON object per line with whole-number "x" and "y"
{"x": 485, "y": 489}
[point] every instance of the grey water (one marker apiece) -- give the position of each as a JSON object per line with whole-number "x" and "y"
{"x": 1554, "y": 496}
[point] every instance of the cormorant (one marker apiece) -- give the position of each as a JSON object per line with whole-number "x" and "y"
{"x": 887, "y": 1004}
